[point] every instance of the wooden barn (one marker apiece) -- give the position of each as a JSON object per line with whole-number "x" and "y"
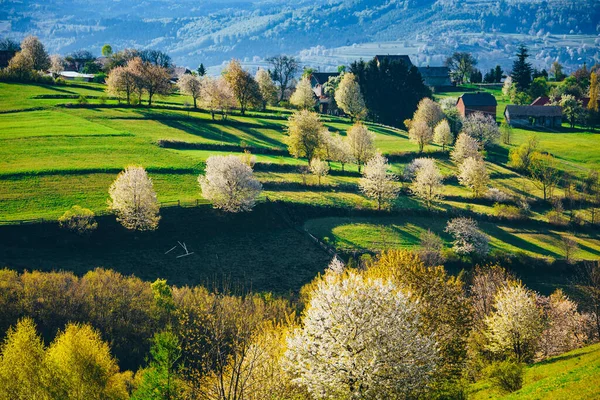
{"x": 539, "y": 116}
{"x": 483, "y": 102}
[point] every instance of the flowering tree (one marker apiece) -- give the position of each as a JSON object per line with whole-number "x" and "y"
{"x": 360, "y": 339}
{"x": 245, "y": 89}
{"x": 319, "y": 168}
{"x": 216, "y": 95}
{"x": 340, "y": 150}
{"x": 442, "y": 135}
{"x": 473, "y": 174}
{"x": 428, "y": 111}
{"x": 465, "y": 147}
{"x": 190, "y": 85}
{"x": 377, "y": 183}
{"x": 305, "y": 137}
{"x": 133, "y": 199}
{"x": 515, "y": 326}
{"x": 410, "y": 170}
{"x": 267, "y": 88}
{"x": 229, "y": 184}
{"x": 349, "y": 98}
{"x": 563, "y": 325}
{"x": 481, "y": 127}
{"x": 304, "y": 97}
{"x": 468, "y": 239}
{"x": 420, "y": 133}
{"x": 361, "y": 143}
{"x": 427, "y": 183}
{"x": 122, "y": 82}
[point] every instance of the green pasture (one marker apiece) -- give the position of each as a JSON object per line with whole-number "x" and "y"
{"x": 573, "y": 375}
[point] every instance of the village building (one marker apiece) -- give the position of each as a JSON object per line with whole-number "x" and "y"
{"x": 544, "y": 101}
{"x": 434, "y": 77}
{"x": 72, "y": 75}
{"x": 482, "y": 102}
{"x": 318, "y": 81}
{"x": 546, "y": 116}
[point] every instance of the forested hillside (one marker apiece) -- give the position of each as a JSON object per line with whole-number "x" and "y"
{"x": 213, "y": 31}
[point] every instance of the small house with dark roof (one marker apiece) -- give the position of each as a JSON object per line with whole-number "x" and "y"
{"x": 483, "y": 102}
{"x": 318, "y": 81}
{"x": 539, "y": 116}
{"x": 394, "y": 58}
{"x": 436, "y": 77}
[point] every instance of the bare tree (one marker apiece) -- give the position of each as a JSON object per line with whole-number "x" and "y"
{"x": 190, "y": 85}
{"x": 283, "y": 70}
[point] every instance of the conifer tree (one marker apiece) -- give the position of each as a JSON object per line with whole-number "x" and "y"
{"x": 521, "y": 70}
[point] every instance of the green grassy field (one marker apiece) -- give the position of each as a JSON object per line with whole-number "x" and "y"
{"x": 574, "y": 375}
{"x": 54, "y": 156}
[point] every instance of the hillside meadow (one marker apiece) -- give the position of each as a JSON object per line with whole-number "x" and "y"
{"x": 56, "y": 153}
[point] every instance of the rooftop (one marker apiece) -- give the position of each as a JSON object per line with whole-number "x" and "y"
{"x": 395, "y": 58}
{"x": 533, "y": 111}
{"x": 323, "y": 77}
{"x": 482, "y": 99}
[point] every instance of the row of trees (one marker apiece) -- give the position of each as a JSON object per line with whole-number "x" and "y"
{"x": 398, "y": 327}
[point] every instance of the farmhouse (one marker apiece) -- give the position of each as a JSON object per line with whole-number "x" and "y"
{"x": 546, "y": 116}
{"x": 435, "y": 77}
{"x": 318, "y": 81}
{"x": 482, "y": 102}
{"x": 72, "y": 75}
{"x": 544, "y": 101}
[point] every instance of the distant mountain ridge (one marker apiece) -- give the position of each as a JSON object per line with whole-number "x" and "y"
{"x": 212, "y": 31}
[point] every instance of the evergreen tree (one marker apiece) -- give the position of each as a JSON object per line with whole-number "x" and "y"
{"x": 498, "y": 74}
{"x": 391, "y": 89}
{"x": 160, "y": 380}
{"x": 201, "y": 70}
{"x": 521, "y": 71}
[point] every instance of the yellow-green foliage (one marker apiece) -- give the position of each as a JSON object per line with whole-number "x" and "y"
{"x": 574, "y": 375}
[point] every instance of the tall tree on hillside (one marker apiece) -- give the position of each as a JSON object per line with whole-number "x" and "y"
{"x": 283, "y": 70}
{"x": 461, "y": 66}
{"x": 157, "y": 58}
{"x": 349, "y": 98}
{"x": 121, "y": 82}
{"x": 521, "y": 70}
{"x": 155, "y": 79}
{"x": 134, "y": 200}
{"x": 303, "y": 97}
{"x": 229, "y": 184}
{"x": 35, "y": 52}
{"x": 572, "y": 108}
{"x": 391, "y": 89}
{"x": 421, "y": 134}
{"x": 304, "y": 134}
{"x": 22, "y": 368}
{"x": 377, "y": 183}
{"x": 557, "y": 71}
{"x": 244, "y": 87}
{"x": 427, "y": 183}
{"x": 593, "y": 93}
{"x": 498, "y": 72}
{"x": 201, "y": 70}
{"x": 361, "y": 339}
{"x": 361, "y": 143}
{"x": 268, "y": 89}
{"x": 190, "y": 84}
{"x": 544, "y": 170}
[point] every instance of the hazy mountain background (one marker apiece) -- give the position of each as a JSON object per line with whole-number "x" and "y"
{"x": 324, "y": 33}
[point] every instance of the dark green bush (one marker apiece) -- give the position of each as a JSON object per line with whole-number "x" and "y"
{"x": 506, "y": 376}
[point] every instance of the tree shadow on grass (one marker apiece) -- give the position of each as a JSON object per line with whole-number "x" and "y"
{"x": 562, "y": 358}
{"x": 512, "y": 239}
{"x": 206, "y": 131}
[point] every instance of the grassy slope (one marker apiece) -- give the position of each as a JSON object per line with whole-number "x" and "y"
{"x": 574, "y": 375}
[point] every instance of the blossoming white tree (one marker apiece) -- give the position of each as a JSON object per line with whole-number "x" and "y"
{"x": 304, "y": 97}
{"x": 464, "y": 148}
{"x": 473, "y": 174}
{"x": 420, "y": 133}
{"x": 191, "y": 85}
{"x": 361, "y": 143}
{"x": 427, "y": 183}
{"x": 349, "y": 98}
{"x": 481, "y": 127}
{"x": 340, "y": 150}
{"x": 428, "y": 111}
{"x": 360, "y": 340}
{"x": 442, "y": 134}
{"x": 319, "y": 168}
{"x": 229, "y": 184}
{"x": 133, "y": 199}
{"x": 377, "y": 183}
{"x": 468, "y": 239}
{"x": 515, "y": 326}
